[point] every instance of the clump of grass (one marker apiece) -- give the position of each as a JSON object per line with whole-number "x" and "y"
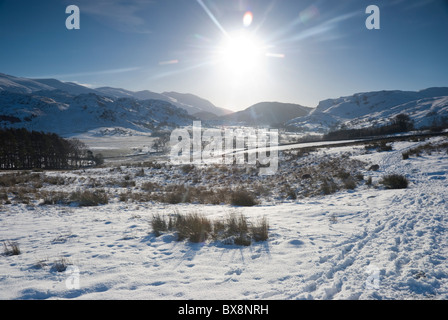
{"x": 3, "y": 196}
{"x": 394, "y": 181}
{"x": 158, "y": 225}
{"x": 328, "y": 187}
{"x": 187, "y": 168}
{"x": 237, "y": 230}
{"x": 194, "y": 227}
{"x": 61, "y": 264}
{"x": 149, "y": 186}
{"x": 11, "y": 248}
{"x": 379, "y": 146}
{"x": 54, "y": 180}
{"x": 260, "y": 230}
{"x": 177, "y": 194}
{"x": 349, "y": 184}
{"x": 242, "y": 198}
{"x": 54, "y": 197}
{"x": 140, "y": 173}
{"x": 89, "y": 198}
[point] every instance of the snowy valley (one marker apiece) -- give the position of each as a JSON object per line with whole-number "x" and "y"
{"x": 354, "y": 220}
{"x": 358, "y": 240}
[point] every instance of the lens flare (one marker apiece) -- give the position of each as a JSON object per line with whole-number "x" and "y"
{"x": 248, "y": 18}
{"x": 309, "y": 14}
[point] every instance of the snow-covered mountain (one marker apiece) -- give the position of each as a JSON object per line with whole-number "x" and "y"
{"x": 22, "y": 85}
{"x": 267, "y": 113}
{"x": 189, "y": 102}
{"x": 64, "y": 113}
{"x": 194, "y": 105}
{"x": 376, "y": 108}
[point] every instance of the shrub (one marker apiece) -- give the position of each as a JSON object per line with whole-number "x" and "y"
{"x": 54, "y": 180}
{"x": 242, "y": 198}
{"x": 350, "y": 184}
{"x": 126, "y": 183}
{"x": 8, "y": 180}
{"x": 3, "y": 196}
{"x": 187, "y": 168}
{"x": 289, "y": 192}
{"x": 149, "y": 186}
{"x": 395, "y": 181}
{"x": 177, "y": 194}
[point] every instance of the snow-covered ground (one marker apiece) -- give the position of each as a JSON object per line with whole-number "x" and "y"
{"x": 366, "y": 243}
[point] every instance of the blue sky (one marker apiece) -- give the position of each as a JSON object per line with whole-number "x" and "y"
{"x": 298, "y": 51}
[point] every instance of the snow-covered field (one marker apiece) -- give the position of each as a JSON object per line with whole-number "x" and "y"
{"x": 366, "y": 243}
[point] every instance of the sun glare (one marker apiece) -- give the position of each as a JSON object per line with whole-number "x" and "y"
{"x": 241, "y": 53}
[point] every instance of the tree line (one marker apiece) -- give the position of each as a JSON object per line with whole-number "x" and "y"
{"x": 23, "y": 149}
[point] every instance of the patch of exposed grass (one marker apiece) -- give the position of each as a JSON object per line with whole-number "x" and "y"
{"x": 394, "y": 181}
{"x": 89, "y": 198}
{"x": 195, "y": 227}
{"x": 242, "y": 198}
{"x": 11, "y": 248}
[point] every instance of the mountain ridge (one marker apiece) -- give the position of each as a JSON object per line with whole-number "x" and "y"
{"x": 366, "y": 109}
{"x": 269, "y": 113}
{"x": 27, "y": 102}
{"x": 66, "y": 114}
{"x": 29, "y": 85}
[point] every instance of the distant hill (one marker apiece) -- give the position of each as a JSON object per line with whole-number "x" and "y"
{"x": 70, "y": 87}
{"x": 64, "y": 113}
{"x": 194, "y": 104}
{"x": 189, "y": 102}
{"x": 21, "y": 85}
{"x": 376, "y": 108}
{"x": 267, "y": 113}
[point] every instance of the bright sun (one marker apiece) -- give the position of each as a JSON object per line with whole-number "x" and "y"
{"x": 241, "y": 54}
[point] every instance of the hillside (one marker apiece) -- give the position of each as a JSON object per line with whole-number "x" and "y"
{"x": 376, "y": 108}
{"x": 189, "y": 102}
{"x": 65, "y": 113}
{"x": 267, "y": 113}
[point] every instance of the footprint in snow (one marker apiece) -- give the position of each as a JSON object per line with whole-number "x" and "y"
{"x": 236, "y": 271}
{"x": 296, "y": 242}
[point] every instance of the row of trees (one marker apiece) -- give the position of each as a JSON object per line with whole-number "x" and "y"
{"x": 23, "y": 149}
{"x": 400, "y": 123}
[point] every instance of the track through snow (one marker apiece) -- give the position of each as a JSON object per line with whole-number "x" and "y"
{"x": 367, "y": 243}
